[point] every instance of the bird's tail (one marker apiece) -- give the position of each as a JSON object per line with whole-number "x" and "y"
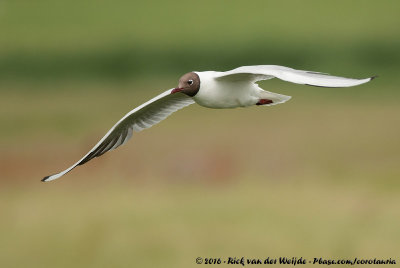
{"x": 274, "y": 97}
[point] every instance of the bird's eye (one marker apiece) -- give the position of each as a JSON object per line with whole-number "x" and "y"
{"x": 190, "y": 82}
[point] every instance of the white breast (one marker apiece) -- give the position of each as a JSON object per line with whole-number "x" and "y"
{"x": 225, "y": 94}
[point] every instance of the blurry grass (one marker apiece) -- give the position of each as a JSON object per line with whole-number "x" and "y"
{"x": 338, "y": 132}
{"x": 125, "y": 62}
{"x": 105, "y": 223}
{"x": 87, "y": 24}
{"x": 119, "y": 40}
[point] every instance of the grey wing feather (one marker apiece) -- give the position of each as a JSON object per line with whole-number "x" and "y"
{"x": 142, "y": 117}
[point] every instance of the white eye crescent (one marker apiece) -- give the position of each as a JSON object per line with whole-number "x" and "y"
{"x": 190, "y": 82}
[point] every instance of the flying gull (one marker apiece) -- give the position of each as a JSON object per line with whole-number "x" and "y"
{"x": 231, "y": 89}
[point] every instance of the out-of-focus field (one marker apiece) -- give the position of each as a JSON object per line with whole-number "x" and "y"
{"x": 316, "y": 177}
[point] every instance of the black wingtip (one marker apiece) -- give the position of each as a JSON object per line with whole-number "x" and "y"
{"x": 373, "y": 77}
{"x": 45, "y": 178}
{"x": 317, "y": 86}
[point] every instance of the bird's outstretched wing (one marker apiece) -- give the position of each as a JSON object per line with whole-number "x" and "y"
{"x": 264, "y": 72}
{"x": 144, "y": 116}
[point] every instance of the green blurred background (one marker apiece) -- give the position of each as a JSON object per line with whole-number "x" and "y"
{"x": 315, "y": 177}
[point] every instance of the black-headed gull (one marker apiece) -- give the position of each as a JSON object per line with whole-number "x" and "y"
{"x": 231, "y": 89}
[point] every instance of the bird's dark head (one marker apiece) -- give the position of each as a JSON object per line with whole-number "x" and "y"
{"x": 189, "y": 84}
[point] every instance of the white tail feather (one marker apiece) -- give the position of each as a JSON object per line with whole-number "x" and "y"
{"x": 275, "y": 97}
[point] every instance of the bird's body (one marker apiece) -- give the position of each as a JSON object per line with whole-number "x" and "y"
{"x": 226, "y": 94}
{"x": 231, "y": 89}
